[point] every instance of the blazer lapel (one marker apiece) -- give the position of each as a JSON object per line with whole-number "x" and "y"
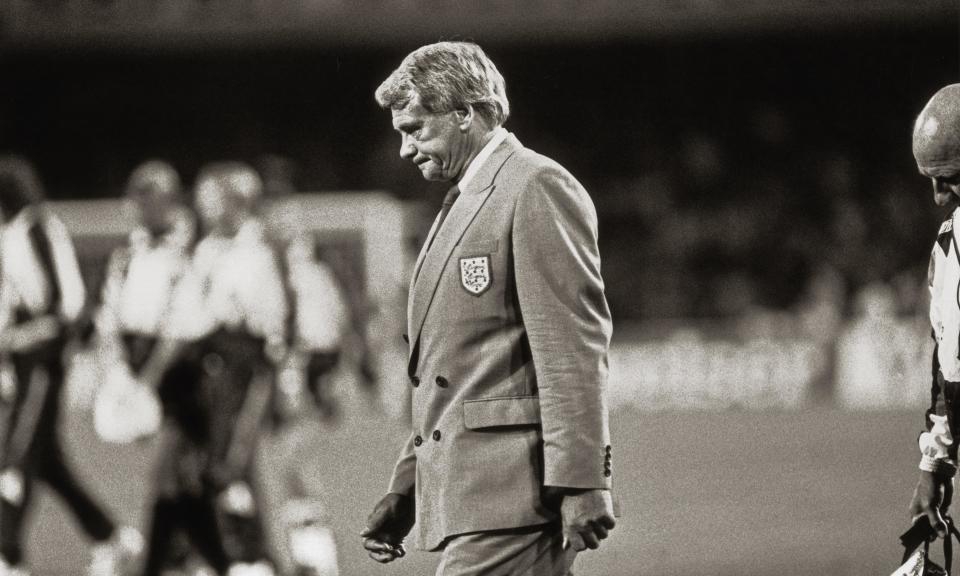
{"x": 434, "y": 261}
{"x": 416, "y": 270}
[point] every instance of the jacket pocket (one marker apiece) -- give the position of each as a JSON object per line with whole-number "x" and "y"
{"x": 478, "y": 247}
{"x": 501, "y": 411}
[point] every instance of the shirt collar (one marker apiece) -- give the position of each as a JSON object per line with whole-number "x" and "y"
{"x": 499, "y": 135}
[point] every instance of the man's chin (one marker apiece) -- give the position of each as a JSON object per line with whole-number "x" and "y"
{"x": 434, "y": 176}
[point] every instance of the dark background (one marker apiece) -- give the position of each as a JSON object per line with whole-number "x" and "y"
{"x": 727, "y": 168}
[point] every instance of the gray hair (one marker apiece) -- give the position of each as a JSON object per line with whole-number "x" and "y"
{"x": 448, "y": 76}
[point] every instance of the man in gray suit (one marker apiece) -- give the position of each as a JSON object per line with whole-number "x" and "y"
{"x": 507, "y": 469}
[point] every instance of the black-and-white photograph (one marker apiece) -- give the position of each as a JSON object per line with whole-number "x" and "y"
{"x": 498, "y": 288}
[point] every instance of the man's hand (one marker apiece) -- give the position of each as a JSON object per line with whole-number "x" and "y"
{"x": 932, "y": 498}
{"x": 587, "y": 518}
{"x": 388, "y": 524}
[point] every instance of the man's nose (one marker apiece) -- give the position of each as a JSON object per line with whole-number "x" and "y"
{"x": 407, "y": 149}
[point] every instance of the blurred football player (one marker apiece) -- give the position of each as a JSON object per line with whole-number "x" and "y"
{"x": 233, "y": 306}
{"x": 134, "y": 322}
{"x": 42, "y": 297}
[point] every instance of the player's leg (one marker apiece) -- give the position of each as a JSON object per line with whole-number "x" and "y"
{"x": 165, "y": 519}
{"x": 53, "y": 470}
{"x": 24, "y": 445}
{"x": 200, "y": 520}
{"x": 241, "y": 524}
{"x": 13, "y": 512}
{"x": 113, "y": 546}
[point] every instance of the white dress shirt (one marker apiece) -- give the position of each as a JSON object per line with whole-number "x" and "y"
{"x": 499, "y": 135}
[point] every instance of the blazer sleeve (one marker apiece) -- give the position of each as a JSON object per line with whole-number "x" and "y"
{"x": 404, "y": 477}
{"x": 568, "y": 325}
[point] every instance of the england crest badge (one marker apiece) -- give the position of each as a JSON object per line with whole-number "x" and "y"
{"x": 475, "y": 274}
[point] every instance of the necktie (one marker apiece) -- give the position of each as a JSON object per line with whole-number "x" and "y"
{"x": 38, "y": 237}
{"x": 448, "y": 201}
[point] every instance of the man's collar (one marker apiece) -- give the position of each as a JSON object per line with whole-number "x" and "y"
{"x": 499, "y": 135}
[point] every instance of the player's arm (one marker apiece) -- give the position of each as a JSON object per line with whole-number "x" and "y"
{"x": 73, "y": 297}
{"x": 938, "y": 454}
{"x": 25, "y": 336}
{"x": 107, "y": 320}
{"x": 269, "y": 308}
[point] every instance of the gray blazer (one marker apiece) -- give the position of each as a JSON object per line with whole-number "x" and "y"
{"x": 509, "y": 331}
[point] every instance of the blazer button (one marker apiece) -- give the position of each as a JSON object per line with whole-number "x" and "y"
{"x": 607, "y": 473}
{"x": 417, "y": 441}
{"x": 436, "y": 435}
{"x": 415, "y": 380}
{"x": 442, "y": 382}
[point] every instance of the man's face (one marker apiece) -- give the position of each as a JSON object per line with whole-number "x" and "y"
{"x": 946, "y": 189}
{"x": 436, "y": 143}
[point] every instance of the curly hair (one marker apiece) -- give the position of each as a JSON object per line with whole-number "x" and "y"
{"x": 448, "y": 76}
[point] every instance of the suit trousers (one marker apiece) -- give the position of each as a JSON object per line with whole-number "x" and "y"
{"x": 527, "y": 551}
{"x": 44, "y": 459}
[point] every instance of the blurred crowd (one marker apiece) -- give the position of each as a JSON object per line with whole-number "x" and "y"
{"x": 735, "y": 222}
{"x": 766, "y": 233}
{"x": 211, "y": 329}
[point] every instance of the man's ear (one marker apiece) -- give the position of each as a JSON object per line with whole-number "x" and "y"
{"x": 465, "y": 117}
